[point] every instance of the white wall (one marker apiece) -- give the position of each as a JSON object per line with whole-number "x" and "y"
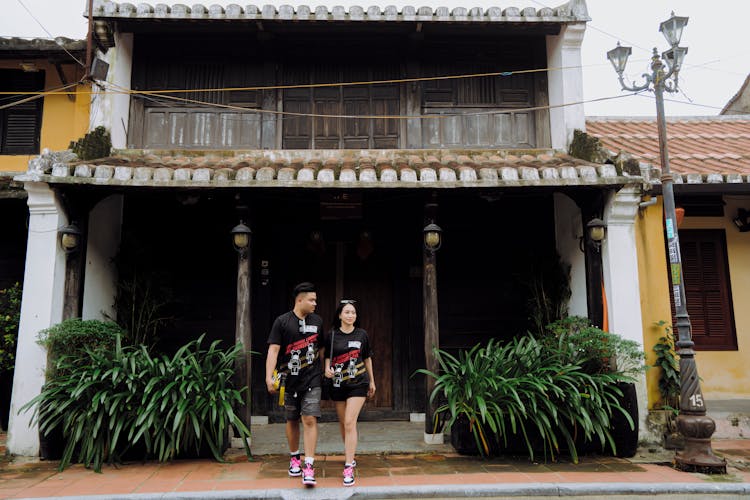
{"x": 620, "y": 271}
{"x": 41, "y": 307}
{"x": 565, "y": 85}
{"x": 112, "y": 111}
{"x": 568, "y": 231}
{"x": 100, "y": 280}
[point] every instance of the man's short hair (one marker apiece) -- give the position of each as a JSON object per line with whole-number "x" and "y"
{"x": 305, "y": 287}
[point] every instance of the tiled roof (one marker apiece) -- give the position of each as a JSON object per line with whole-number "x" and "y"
{"x": 572, "y": 11}
{"x": 40, "y": 45}
{"x": 704, "y": 149}
{"x": 328, "y": 169}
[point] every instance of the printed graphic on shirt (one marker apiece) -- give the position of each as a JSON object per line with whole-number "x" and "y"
{"x": 296, "y": 349}
{"x": 347, "y": 365}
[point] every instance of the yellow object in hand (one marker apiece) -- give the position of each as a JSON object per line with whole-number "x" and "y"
{"x": 278, "y": 386}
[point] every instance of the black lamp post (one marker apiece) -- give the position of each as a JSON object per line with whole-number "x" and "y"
{"x": 693, "y": 423}
{"x": 243, "y": 326}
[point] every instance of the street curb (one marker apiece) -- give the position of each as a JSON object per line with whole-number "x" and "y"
{"x": 441, "y": 491}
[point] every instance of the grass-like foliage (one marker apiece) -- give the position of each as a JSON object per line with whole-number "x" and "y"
{"x": 114, "y": 400}
{"x": 538, "y": 392}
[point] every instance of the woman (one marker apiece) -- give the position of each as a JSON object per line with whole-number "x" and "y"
{"x": 349, "y": 365}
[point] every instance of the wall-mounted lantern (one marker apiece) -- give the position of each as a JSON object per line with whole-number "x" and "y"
{"x": 70, "y": 237}
{"x": 742, "y": 221}
{"x": 433, "y": 237}
{"x": 241, "y": 237}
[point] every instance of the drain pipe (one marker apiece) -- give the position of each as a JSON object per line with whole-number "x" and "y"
{"x": 648, "y": 203}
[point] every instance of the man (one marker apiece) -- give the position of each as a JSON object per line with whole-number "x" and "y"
{"x": 295, "y": 345}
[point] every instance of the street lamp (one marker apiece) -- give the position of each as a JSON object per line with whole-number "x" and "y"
{"x": 693, "y": 423}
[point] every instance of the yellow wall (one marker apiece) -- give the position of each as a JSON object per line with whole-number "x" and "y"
{"x": 726, "y": 374}
{"x": 63, "y": 120}
{"x": 654, "y": 286}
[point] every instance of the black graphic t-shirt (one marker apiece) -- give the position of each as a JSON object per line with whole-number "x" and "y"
{"x": 299, "y": 357}
{"x": 350, "y": 350}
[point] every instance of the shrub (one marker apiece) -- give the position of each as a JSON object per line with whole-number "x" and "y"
{"x": 669, "y": 375}
{"x": 596, "y": 350}
{"x": 74, "y": 338}
{"x": 527, "y": 390}
{"x": 126, "y": 397}
{"x": 10, "y": 317}
{"x": 93, "y": 145}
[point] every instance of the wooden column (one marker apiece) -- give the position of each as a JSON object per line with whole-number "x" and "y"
{"x": 431, "y": 326}
{"x": 243, "y": 333}
{"x": 75, "y": 266}
{"x": 592, "y": 251}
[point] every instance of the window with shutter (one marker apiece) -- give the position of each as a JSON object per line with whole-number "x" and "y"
{"x": 709, "y": 299}
{"x": 321, "y": 132}
{"x": 20, "y": 124}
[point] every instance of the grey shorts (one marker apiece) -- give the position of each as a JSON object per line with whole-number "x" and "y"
{"x": 305, "y": 402}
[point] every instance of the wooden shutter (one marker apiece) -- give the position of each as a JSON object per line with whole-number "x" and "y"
{"x": 709, "y": 300}
{"x": 297, "y": 130}
{"x": 21, "y": 124}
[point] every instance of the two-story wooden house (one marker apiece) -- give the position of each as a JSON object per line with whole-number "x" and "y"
{"x": 336, "y": 135}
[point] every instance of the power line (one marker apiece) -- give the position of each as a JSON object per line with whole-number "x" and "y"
{"x": 374, "y": 117}
{"x": 342, "y": 84}
{"x": 39, "y": 95}
{"x": 48, "y": 33}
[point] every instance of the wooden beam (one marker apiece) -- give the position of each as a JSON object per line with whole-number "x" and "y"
{"x": 243, "y": 334}
{"x": 431, "y": 323}
{"x": 75, "y": 270}
{"x": 63, "y": 79}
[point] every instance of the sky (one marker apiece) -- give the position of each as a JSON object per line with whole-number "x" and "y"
{"x": 717, "y": 63}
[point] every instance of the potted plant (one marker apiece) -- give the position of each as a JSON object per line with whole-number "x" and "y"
{"x": 68, "y": 344}
{"x": 112, "y": 401}
{"x": 601, "y": 352}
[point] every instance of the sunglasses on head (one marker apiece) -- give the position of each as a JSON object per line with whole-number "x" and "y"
{"x": 348, "y": 301}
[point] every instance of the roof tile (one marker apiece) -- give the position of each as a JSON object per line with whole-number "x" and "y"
{"x": 697, "y": 145}
{"x": 441, "y": 168}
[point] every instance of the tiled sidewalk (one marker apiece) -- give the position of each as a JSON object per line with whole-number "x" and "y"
{"x": 41, "y": 479}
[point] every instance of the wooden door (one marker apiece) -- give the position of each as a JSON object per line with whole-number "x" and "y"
{"x": 358, "y": 273}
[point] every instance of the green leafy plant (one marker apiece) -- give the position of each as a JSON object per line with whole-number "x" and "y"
{"x": 93, "y": 145}
{"x": 528, "y": 390}
{"x": 73, "y": 338}
{"x": 10, "y": 317}
{"x": 597, "y": 351}
{"x": 126, "y": 397}
{"x": 669, "y": 373}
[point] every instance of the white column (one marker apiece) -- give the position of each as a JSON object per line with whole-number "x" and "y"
{"x": 620, "y": 270}
{"x": 100, "y": 280}
{"x": 113, "y": 110}
{"x": 41, "y": 307}
{"x": 565, "y": 85}
{"x": 568, "y": 232}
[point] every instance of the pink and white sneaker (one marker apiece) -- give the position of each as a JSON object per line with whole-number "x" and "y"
{"x": 294, "y": 467}
{"x": 349, "y": 476}
{"x": 308, "y": 475}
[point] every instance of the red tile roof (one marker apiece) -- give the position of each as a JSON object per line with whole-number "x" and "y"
{"x": 697, "y": 145}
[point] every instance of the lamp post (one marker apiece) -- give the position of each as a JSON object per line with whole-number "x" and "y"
{"x": 243, "y": 331}
{"x": 693, "y": 423}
